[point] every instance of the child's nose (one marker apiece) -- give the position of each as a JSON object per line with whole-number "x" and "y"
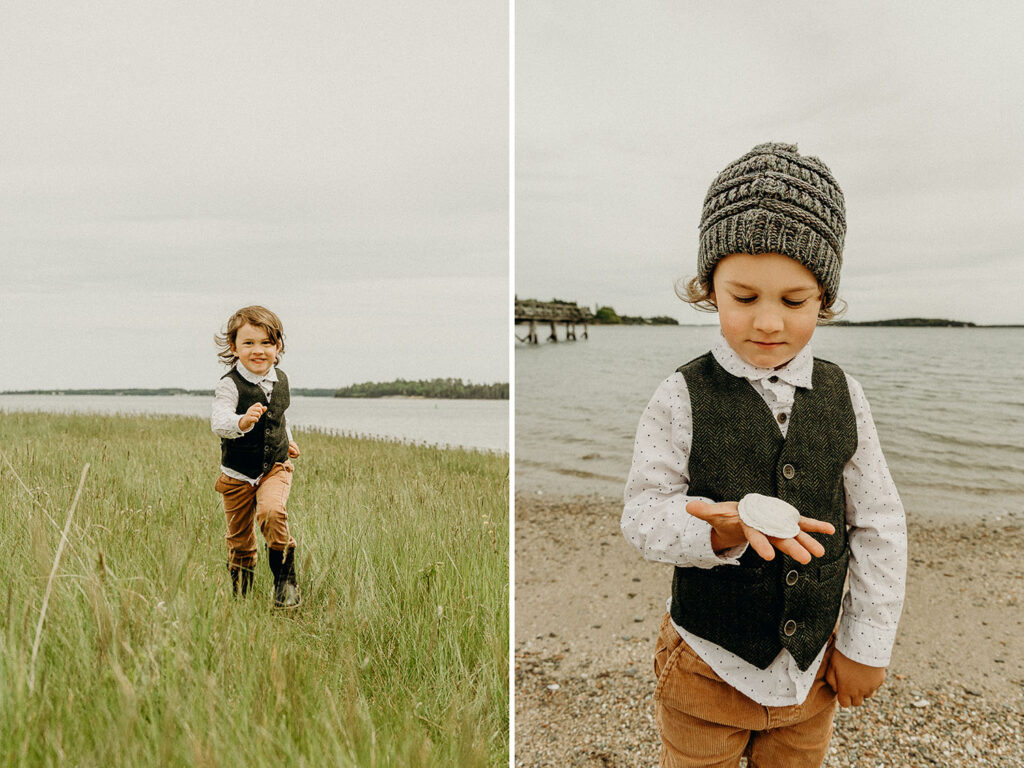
{"x": 768, "y": 321}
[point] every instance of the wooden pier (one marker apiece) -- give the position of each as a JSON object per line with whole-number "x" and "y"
{"x": 551, "y": 313}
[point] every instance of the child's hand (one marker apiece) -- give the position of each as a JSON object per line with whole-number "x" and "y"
{"x": 293, "y": 450}
{"x": 729, "y": 531}
{"x": 251, "y": 416}
{"x": 852, "y": 681}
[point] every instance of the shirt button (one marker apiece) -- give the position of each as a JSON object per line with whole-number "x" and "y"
{"x": 791, "y": 578}
{"x": 773, "y": 379}
{"x": 782, "y": 418}
{"x": 789, "y": 628}
{"x": 788, "y": 471}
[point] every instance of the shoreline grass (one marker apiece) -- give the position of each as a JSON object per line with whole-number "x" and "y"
{"x": 397, "y": 657}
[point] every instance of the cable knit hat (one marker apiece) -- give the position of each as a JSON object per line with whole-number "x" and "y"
{"x": 775, "y": 200}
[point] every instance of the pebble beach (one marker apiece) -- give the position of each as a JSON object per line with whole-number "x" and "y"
{"x": 587, "y": 609}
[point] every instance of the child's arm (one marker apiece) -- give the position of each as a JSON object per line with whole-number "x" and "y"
{"x": 727, "y": 531}
{"x": 878, "y": 564}
{"x": 248, "y": 419}
{"x": 654, "y": 518}
{"x": 665, "y": 523}
{"x": 223, "y": 420}
{"x": 293, "y": 447}
{"x": 852, "y": 681}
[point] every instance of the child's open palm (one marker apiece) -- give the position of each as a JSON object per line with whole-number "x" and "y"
{"x": 729, "y": 531}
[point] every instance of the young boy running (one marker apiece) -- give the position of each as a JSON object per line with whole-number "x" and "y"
{"x": 256, "y": 447}
{"x": 749, "y": 659}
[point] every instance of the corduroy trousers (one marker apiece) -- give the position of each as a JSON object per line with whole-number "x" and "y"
{"x": 706, "y": 723}
{"x": 266, "y": 503}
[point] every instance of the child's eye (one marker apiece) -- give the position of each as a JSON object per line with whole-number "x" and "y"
{"x": 744, "y": 299}
{"x": 792, "y": 303}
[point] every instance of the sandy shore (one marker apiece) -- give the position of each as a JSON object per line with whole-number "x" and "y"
{"x": 587, "y": 610}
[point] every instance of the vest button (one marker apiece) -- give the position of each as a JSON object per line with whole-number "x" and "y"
{"x": 788, "y": 471}
{"x": 782, "y": 418}
{"x": 789, "y": 628}
{"x": 773, "y": 379}
{"x": 791, "y": 578}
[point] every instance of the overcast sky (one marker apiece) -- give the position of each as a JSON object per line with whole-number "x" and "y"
{"x": 343, "y": 163}
{"x": 625, "y": 113}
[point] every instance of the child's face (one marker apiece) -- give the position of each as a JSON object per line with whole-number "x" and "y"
{"x": 255, "y": 350}
{"x": 767, "y": 306}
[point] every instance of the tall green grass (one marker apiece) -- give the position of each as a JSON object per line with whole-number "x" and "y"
{"x": 397, "y": 657}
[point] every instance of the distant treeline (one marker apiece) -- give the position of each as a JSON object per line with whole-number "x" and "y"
{"x": 911, "y": 322}
{"x": 162, "y": 392}
{"x": 165, "y": 391}
{"x": 445, "y": 389}
{"x": 608, "y": 316}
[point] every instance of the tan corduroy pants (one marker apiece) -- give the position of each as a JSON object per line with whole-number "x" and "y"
{"x": 265, "y": 503}
{"x": 706, "y": 723}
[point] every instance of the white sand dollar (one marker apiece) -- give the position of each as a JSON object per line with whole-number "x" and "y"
{"x": 771, "y": 516}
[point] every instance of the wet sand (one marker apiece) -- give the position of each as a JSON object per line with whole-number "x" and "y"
{"x": 587, "y": 608}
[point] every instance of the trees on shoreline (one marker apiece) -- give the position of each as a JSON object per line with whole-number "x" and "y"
{"x": 445, "y": 389}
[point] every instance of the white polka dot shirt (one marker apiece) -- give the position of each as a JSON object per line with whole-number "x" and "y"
{"x": 224, "y": 420}
{"x": 656, "y": 522}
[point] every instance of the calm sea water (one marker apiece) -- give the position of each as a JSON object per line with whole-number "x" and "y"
{"x": 948, "y": 404}
{"x": 481, "y": 424}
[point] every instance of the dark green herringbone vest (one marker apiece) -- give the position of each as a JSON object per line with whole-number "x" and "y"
{"x": 757, "y": 608}
{"x": 255, "y": 452}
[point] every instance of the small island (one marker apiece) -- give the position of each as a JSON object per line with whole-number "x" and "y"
{"x": 608, "y": 316}
{"x": 442, "y": 389}
{"x": 909, "y": 322}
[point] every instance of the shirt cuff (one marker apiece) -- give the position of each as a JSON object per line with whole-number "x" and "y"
{"x": 865, "y": 643}
{"x": 698, "y": 550}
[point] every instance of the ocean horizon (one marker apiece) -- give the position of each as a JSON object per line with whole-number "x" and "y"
{"x": 946, "y": 401}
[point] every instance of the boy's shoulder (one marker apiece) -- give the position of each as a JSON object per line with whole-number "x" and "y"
{"x": 827, "y": 363}
{"x": 821, "y": 363}
{"x": 706, "y": 363}
{"x": 828, "y": 367}
{"x": 698, "y": 363}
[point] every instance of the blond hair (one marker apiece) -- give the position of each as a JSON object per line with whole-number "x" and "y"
{"x": 257, "y": 316}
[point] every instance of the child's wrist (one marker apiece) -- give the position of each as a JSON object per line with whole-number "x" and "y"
{"x": 718, "y": 546}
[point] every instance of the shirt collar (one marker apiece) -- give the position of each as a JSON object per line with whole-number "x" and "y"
{"x": 797, "y": 372}
{"x": 255, "y": 378}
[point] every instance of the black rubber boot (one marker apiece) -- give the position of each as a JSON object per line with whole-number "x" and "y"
{"x": 286, "y": 590}
{"x": 291, "y": 583}
{"x": 241, "y": 578}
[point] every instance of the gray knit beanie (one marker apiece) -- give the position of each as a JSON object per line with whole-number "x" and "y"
{"x": 775, "y": 200}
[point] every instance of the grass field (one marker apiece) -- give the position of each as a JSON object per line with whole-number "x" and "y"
{"x": 397, "y": 657}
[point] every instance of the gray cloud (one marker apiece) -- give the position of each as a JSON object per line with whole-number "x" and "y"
{"x": 344, "y": 163}
{"x": 625, "y": 114}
